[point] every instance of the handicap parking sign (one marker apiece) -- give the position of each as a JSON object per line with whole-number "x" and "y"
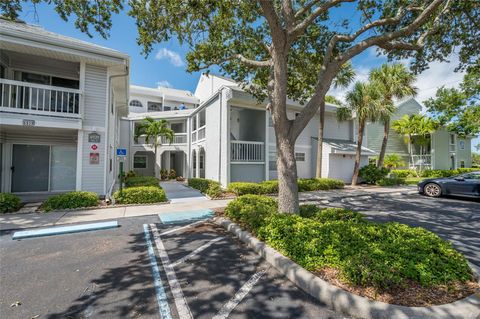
{"x": 121, "y": 152}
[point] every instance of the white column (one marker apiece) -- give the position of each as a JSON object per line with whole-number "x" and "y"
{"x": 197, "y": 168}
{"x": 78, "y": 184}
{"x": 266, "y": 146}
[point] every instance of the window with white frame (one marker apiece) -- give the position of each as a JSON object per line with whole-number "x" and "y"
{"x": 272, "y": 161}
{"x": 154, "y": 106}
{"x": 270, "y": 121}
{"x": 140, "y": 161}
{"x": 462, "y": 164}
{"x": 452, "y": 143}
{"x": 461, "y": 144}
{"x": 136, "y": 103}
{"x": 300, "y": 157}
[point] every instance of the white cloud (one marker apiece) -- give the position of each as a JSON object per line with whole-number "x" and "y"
{"x": 172, "y": 56}
{"x": 164, "y": 84}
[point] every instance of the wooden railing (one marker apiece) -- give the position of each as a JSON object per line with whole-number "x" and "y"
{"x": 247, "y": 151}
{"x": 23, "y": 97}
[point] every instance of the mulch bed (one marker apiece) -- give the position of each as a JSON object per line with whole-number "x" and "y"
{"x": 413, "y": 295}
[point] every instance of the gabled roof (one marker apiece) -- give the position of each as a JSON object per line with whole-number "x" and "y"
{"x": 18, "y": 30}
{"x": 347, "y": 147}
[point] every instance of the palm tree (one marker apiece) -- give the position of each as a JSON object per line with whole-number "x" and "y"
{"x": 153, "y": 131}
{"x": 393, "y": 81}
{"x": 415, "y": 125}
{"x": 364, "y": 102}
{"x": 343, "y": 79}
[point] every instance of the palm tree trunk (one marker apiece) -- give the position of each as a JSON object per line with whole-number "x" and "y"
{"x": 321, "y": 125}
{"x": 358, "y": 154}
{"x": 383, "y": 150}
{"x": 156, "y": 166}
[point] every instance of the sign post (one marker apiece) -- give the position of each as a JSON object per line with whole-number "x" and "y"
{"x": 121, "y": 154}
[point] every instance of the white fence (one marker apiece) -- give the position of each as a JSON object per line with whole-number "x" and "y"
{"x": 245, "y": 151}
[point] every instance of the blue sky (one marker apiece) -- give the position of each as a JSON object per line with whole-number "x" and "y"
{"x": 166, "y": 64}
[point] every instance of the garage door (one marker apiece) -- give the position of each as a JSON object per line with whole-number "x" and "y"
{"x": 341, "y": 166}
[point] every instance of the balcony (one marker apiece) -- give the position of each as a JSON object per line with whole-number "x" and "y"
{"x": 421, "y": 161}
{"x": 198, "y": 135}
{"x": 246, "y": 151}
{"x": 23, "y": 97}
{"x": 178, "y": 139}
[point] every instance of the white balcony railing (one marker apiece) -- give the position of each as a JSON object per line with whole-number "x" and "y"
{"x": 420, "y": 161}
{"x": 201, "y": 133}
{"x": 245, "y": 151}
{"x": 23, "y": 97}
{"x": 178, "y": 139}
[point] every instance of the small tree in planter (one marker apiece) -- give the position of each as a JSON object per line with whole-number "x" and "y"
{"x": 172, "y": 174}
{"x": 153, "y": 131}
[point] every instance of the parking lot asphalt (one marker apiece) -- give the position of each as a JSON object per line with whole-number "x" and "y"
{"x": 202, "y": 271}
{"x": 452, "y": 218}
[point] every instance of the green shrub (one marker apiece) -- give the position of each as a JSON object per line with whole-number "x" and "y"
{"x": 214, "y": 190}
{"x": 141, "y": 181}
{"x": 329, "y": 214}
{"x": 71, "y": 200}
{"x": 308, "y": 210}
{"x": 366, "y": 254}
{"x": 391, "y": 181}
{"x": 314, "y": 184}
{"x": 130, "y": 174}
{"x": 206, "y": 186}
{"x": 172, "y": 174}
{"x": 269, "y": 187}
{"x": 243, "y": 188}
{"x": 370, "y": 174}
{"x": 251, "y": 210}
{"x": 140, "y": 195}
{"x": 437, "y": 173}
{"x": 403, "y": 173}
{"x": 9, "y": 203}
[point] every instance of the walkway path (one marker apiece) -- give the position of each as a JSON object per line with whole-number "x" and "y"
{"x": 179, "y": 193}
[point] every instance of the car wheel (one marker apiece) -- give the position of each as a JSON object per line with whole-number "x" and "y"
{"x": 432, "y": 190}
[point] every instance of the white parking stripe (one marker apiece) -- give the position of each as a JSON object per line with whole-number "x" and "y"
{"x": 163, "y": 306}
{"x": 241, "y": 293}
{"x": 183, "y": 227}
{"x": 179, "y": 298}
{"x": 196, "y": 252}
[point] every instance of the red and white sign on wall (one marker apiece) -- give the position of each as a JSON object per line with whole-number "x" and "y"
{"x": 94, "y": 147}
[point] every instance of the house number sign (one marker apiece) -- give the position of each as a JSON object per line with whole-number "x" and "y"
{"x": 94, "y": 138}
{"x": 28, "y": 122}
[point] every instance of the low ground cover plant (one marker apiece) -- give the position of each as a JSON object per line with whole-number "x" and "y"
{"x": 140, "y": 195}
{"x": 206, "y": 186}
{"x": 365, "y": 254}
{"x": 77, "y": 199}
{"x": 271, "y": 187}
{"x": 141, "y": 181}
{"x": 9, "y": 203}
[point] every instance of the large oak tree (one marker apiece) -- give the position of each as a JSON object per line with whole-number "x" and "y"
{"x": 290, "y": 48}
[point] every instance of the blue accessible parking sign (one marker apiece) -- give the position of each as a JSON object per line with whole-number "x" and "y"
{"x": 121, "y": 152}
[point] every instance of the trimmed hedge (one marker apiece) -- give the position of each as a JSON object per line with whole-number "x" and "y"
{"x": 391, "y": 181}
{"x": 429, "y": 173}
{"x": 71, "y": 200}
{"x": 403, "y": 173}
{"x": 140, "y": 195}
{"x": 9, "y": 203}
{"x": 206, "y": 186}
{"x": 136, "y": 181}
{"x": 271, "y": 187}
{"x": 365, "y": 253}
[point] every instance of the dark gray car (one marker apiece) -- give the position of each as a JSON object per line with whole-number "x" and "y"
{"x": 467, "y": 184}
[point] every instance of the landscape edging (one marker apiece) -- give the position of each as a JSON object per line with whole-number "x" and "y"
{"x": 343, "y": 301}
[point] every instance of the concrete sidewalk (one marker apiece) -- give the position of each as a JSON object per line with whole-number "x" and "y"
{"x": 19, "y": 221}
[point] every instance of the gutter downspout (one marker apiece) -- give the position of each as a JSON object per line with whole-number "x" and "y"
{"x": 108, "y": 196}
{"x": 220, "y": 139}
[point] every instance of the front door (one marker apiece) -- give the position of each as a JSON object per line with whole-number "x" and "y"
{"x": 30, "y": 168}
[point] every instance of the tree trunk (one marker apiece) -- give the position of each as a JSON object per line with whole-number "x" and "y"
{"x": 321, "y": 125}
{"x": 358, "y": 154}
{"x": 157, "y": 165}
{"x": 287, "y": 175}
{"x": 383, "y": 150}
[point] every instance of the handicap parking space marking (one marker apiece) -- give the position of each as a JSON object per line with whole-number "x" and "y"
{"x": 225, "y": 311}
{"x": 162, "y": 300}
{"x": 196, "y": 251}
{"x": 179, "y": 298}
{"x": 176, "y": 229}
{"x": 188, "y": 215}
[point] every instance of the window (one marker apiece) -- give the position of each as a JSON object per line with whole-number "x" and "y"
{"x": 167, "y": 108}
{"x": 452, "y": 138}
{"x": 462, "y": 164}
{"x": 300, "y": 157}
{"x": 202, "y": 159}
{"x": 136, "y": 103}
{"x": 154, "y": 106}
{"x": 272, "y": 161}
{"x": 461, "y": 144}
{"x": 139, "y": 161}
{"x": 66, "y": 83}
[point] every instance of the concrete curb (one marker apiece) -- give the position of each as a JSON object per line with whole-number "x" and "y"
{"x": 343, "y": 301}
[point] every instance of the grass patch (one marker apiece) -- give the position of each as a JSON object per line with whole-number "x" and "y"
{"x": 77, "y": 199}
{"x": 135, "y": 181}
